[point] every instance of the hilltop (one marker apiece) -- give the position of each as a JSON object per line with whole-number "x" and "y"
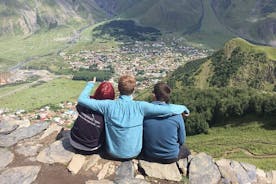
{"x": 237, "y": 64}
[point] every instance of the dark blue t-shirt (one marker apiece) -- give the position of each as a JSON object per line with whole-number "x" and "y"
{"x": 162, "y": 136}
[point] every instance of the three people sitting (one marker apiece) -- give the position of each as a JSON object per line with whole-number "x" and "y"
{"x": 123, "y": 119}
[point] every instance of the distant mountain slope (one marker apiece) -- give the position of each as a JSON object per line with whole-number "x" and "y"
{"x": 24, "y": 17}
{"x": 254, "y": 20}
{"x": 181, "y": 16}
{"x": 238, "y": 64}
{"x": 211, "y": 22}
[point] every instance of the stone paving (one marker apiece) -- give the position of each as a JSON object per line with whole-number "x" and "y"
{"x": 28, "y": 147}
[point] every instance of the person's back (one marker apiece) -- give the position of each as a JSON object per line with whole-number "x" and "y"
{"x": 124, "y": 118}
{"x": 87, "y": 134}
{"x": 124, "y": 127}
{"x": 163, "y": 137}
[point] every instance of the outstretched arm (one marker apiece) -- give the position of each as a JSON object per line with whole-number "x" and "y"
{"x": 96, "y": 105}
{"x": 162, "y": 110}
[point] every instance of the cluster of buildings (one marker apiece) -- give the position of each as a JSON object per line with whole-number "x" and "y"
{"x": 147, "y": 61}
{"x": 63, "y": 114}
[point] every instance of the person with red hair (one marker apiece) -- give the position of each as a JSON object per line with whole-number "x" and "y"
{"x": 87, "y": 134}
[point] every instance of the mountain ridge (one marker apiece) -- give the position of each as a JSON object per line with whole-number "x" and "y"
{"x": 211, "y": 22}
{"x": 237, "y": 64}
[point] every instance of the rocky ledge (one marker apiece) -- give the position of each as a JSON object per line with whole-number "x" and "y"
{"x": 40, "y": 153}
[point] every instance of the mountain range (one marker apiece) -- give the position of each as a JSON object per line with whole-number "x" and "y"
{"x": 208, "y": 21}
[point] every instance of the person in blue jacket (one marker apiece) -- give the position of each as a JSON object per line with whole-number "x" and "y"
{"x": 164, "y": 137}
{"x": 124, "y": 117}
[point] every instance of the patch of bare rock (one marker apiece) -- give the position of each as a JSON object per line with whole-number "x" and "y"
{"x": 51, "y": 159}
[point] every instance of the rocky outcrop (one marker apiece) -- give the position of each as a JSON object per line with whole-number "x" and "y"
{"x": 22, "y": 133}
{"x": 203, "y": 170}
{"x": 36, "y": 150}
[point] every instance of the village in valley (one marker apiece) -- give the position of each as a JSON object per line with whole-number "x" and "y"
{"x": 149, "y": 62}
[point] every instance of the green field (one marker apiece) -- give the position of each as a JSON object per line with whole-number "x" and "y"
{"x": 249, "y": 142}
{"x": 53, "y": 92}
{"x": 18, "y": 48}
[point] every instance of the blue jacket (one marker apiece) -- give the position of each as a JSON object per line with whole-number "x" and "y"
{"x": 124, "y": 120}
{"x": 163, "y": 136}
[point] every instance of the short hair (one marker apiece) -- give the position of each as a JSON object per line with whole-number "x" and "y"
{"x": 126, "y": 84}
{"x": 162, "y": 92}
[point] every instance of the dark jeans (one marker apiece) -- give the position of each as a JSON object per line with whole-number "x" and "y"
{"x": 184, "y": 152}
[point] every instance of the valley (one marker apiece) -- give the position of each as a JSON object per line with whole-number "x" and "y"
{"x": 50, "y": 49}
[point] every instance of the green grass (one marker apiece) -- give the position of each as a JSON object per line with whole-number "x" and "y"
{"x": 270, "y": 51}
{"x": 235, "y": 142}
{"x": 32, "y": 98}
{"x": 53, "y": 63}
{"x": 18, "y": 48}
{"x": 203, "y": 73}
{"x": 89, "y": 42}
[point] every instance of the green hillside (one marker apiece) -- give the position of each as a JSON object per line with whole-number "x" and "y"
{"x": 248, "y": 139}
{"x": 238, "y": 64}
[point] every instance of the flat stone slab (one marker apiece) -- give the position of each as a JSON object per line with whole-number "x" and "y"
{"x": 125, "y": 170}
{"x": 99, "y": 182}
{"x": 103, "y": 171}
{"x": 271, "y": 176}
{"x": 161, "y": 171}
{"x": 22, "y": 133}
{"x": 240, "y": 172}
{"x": 8, "y": 126}
{"x": 251, "y": 171}
{"x": 91, "y": 161}
{"x": 28, "y": 149}
{"x": 203, "y": 170}
{"x": 6, "y": 157}
{"x": 51, "y": 129}
{"x": 261, "y": 177}
{"x": 60, "y": 151}
{"x": 16, "y": 175}
{"x": 131, "y": 181}
{"x": 227, "y": 171}
{"x": 76, "y": 163}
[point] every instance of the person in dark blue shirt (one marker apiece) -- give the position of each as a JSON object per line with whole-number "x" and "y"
{"x": 163, "y": 137}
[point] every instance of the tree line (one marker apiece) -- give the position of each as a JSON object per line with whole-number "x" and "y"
{"x": 215, "y": 105}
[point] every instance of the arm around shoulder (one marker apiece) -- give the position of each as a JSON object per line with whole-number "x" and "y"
{"x": 162, "y": 110}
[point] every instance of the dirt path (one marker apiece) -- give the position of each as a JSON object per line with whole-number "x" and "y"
{"x": 248, "y": 153}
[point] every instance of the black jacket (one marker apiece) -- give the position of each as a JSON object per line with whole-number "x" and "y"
{"x": 88, "y": 128}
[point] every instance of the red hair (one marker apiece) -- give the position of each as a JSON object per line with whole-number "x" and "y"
{"x": 104, "y": 91}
